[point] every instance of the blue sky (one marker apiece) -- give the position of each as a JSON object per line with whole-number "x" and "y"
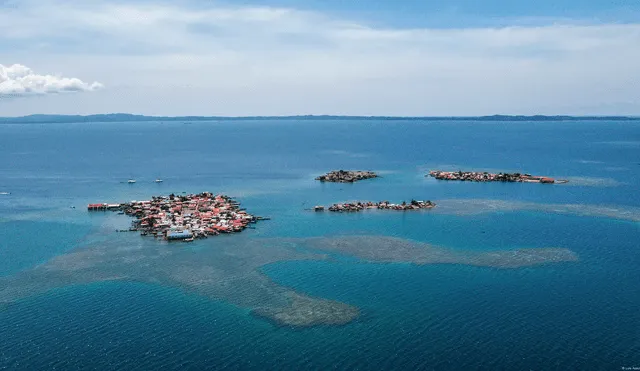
{"x": 281, "y": 57}
{"x": 469, "y": 13}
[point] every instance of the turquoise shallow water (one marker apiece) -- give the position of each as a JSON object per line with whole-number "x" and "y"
{"x": 579, "y": 315}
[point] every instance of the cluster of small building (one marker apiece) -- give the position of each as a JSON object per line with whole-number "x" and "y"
{"x": 489, "y": 177}
{"x": 184, "y": 217}
{"x": 382, "y": 205}
{"x": 346, "y": 176}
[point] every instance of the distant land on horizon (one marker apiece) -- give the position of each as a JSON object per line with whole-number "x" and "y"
{"x": 127, "y": 117}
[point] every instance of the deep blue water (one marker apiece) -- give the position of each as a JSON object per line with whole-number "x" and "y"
{"x": 581, "y": 315}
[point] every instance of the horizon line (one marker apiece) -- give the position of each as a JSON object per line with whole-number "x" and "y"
{"x": 315, "y": 115}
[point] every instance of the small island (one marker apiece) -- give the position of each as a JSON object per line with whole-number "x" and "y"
{"x": 346, "y": 176}
{"x": 184, "y": 217}
{"x": 473, "y": 176}
{"x": 382, "y": 205}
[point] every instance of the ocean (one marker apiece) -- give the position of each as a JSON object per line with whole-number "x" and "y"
{"x": 76, "y": 295}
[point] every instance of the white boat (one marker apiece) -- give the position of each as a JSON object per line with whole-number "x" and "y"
{"x": 5, "y": 193}
{"x": 159, "y": 180}
{"x": 131, "y": 181}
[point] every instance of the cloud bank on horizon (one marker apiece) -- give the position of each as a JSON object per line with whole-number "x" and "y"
{"x": 19, "y": 81}
{"x": 202, "y": 58}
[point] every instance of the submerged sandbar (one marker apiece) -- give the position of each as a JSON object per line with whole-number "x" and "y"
{"x": 480, "y": 206}
{"x": 230, "y": 270}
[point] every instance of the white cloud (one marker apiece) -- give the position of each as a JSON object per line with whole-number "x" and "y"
{"x": 18, "y": 80}
{"x": 241, "y": 60}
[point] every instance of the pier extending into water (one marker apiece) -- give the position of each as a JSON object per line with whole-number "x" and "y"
{"x": 475, "y": 176}
{"x": 382, "y": 205}
{"x": 187, "y": 217}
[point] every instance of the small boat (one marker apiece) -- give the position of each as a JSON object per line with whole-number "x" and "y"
{"x": 5, "y": 193}
{"x": 131, "y": 181}
{"x": 159, "y": 180}
{"x": 188, "y": 239}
